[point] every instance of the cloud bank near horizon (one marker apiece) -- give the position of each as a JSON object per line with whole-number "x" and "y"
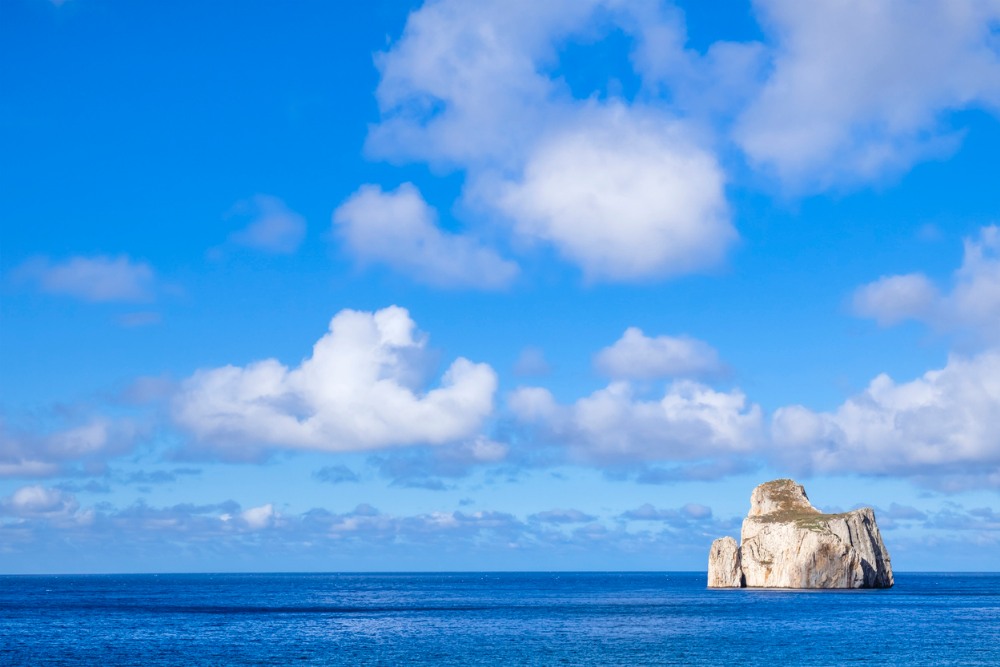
{"x": 224, "y": 534}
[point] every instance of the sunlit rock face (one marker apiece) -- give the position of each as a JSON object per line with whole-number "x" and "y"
{"x": 788, "y": 543}
{"x": 724, "y": 564}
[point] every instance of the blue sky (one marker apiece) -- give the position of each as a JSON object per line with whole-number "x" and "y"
{"x": 493, "y": 285}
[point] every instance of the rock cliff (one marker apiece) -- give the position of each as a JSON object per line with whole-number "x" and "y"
{"x": 788, "y": 543}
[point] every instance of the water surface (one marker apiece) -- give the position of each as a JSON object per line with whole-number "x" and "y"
{"x": 660, "y": 618}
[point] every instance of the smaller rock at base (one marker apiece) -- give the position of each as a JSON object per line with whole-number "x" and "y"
{"x": 724, "y": 568}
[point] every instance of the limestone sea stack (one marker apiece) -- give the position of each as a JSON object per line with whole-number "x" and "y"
{"x": 785, "y": 542}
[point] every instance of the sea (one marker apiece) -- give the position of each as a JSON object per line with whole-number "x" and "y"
{"x": 592, "y": 618}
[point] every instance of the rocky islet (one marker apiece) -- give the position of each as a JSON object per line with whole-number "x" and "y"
{"x": 785, "y": 542}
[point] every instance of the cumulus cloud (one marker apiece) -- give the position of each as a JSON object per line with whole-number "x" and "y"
{"x": 270, "y": 226}
{"x": 624, "y": 195}
{"x": 400, "y": 230}
{"x": 99, "y": 279}
{"x": 938, "y": 429}
{"x": 892, "y": 299}
{"x": 473, "y": 85}
{"x": 972, "y": 304}
{"x": 933, "y": 427}
{"x": 613, "y": 426}
{"x": 710, "y": 84}
{"x": 258, "y": 518}
{"x": 464, "y": 84}
{"x": 638, "y": 357}
{"x": 858, "y": 89}
{"x": 841, "y": 92}
{"x": 35, "y": 508}
{"x": 81, "y": 448}
{"x": 626, "y": 192}
{"x": 360, "y": 389}
{"x": 39, "y": 501}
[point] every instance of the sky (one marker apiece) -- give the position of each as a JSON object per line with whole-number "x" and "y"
{"x": 493, "y": 285}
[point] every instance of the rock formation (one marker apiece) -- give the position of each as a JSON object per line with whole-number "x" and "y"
{"x": 788, "y": 543}
{"x": 724, "y": 564}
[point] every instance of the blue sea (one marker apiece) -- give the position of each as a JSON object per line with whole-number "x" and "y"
{"x": 664, "y": 618}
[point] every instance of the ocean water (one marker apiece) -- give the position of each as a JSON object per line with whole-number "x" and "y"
{"x": 661, "y": 618}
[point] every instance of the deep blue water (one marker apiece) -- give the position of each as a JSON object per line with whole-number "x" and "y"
{"x": 490, "y": 619}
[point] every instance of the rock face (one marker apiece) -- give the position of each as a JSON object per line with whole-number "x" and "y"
{"x": 724, "y": 564}
{"x": 788, "y": 543}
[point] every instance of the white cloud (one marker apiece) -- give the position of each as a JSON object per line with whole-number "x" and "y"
{"x": 359, "y": 390}
{"x": 624, "y": 196}
{"x": 636, "y": 356}
{"x": 942, "y": 423}
{"x": 939, "y": 429}
{"x": 26, "y": 453}
{"x": 975, "y": 297}
{"x": 96, "y": 279}
{"x": 400, "y": 230}
{"x": 622, "y": 191}
{"x": 972, "y": 304}
{"x": 272, "y": 226}
{"x": 858, "y": 89}
{"x": 463, "y": 85}
{"x": 709, "y": 85}
{"x": 613, "y": 426}
{"x": 258, "y": 518}
{"x": 631, "y": 190}
{"x": 472, "y": 84}
{"x": 892, "y": 299}
{"x": 39, "y": 501}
